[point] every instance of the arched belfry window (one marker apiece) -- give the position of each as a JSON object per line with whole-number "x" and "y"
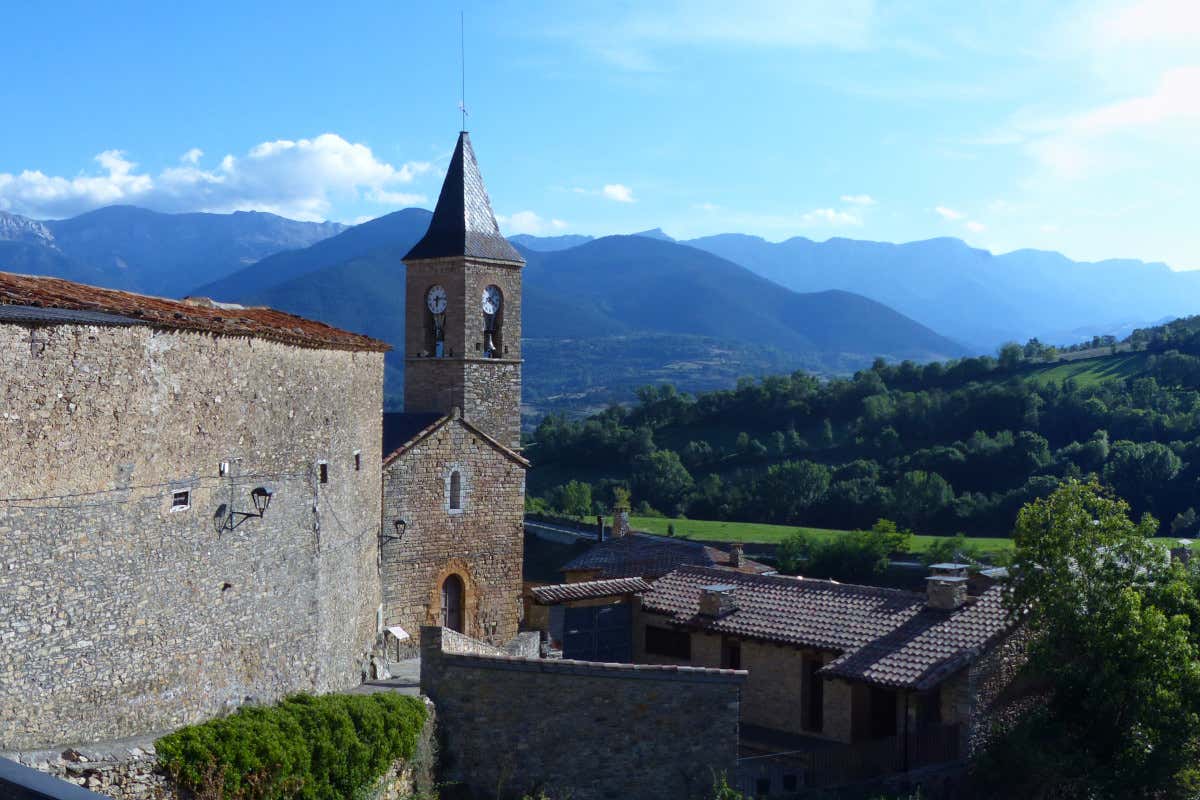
{"x": 452, "y": 603}
{"x": 456, "y": 491}
{"x": 493, "y": 322}
{"x": 435, "y": 320}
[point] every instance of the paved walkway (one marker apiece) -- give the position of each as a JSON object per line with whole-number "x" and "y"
{"x": 406, "y": 679}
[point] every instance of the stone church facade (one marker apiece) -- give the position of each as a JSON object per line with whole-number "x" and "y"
{"x": 453, "y": 481}
{"x": 189, "y": 509}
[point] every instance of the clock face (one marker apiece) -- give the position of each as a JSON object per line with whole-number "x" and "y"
{"x": 436, "y": 299}
{"x": 492, "y": 300}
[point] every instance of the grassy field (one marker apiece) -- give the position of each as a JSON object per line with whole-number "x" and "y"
{"x": 756, "y": 532}
{"x": 1090, "y": 371}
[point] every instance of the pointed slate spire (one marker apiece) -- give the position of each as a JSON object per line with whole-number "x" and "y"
{"x": 463, "y": 223}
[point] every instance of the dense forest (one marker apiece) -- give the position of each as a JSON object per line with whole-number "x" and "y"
{"x": 945, "y": 447}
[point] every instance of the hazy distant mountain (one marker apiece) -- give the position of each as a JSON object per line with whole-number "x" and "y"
{"x": 655, "y": 233}
{"x": 549, "y": 243}
{"x": 15, "y": 228}
{"x": 970, "y": 294}
{"x": 396, "y": 231}
{"x": 637, "y": 283}
{"x": 602, "y": 318}
{"x": 145, "y": 251}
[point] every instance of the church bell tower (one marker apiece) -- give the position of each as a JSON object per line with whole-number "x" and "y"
{"x": 463, "y": 309}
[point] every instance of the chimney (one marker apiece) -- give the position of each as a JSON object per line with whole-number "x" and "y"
{"x": 735, "y": 554}
{"x": 717, "y": 601}
{"x": 946, "y": 587}
{"x": 599, "y": 527}
{"x": 620, "y": 526}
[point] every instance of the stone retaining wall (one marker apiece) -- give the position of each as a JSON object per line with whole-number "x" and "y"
{"x": 574, "y": 729}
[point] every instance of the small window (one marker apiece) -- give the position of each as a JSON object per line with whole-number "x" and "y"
{"x": 223, "y": 469}
{"x": 357, "y": 461}
{"x": 731, "y": 655}
{"x": 456, "y": 491}
{"x": 323, "y": 472}
{"x": 668, "y": 642}
{"x": 181, "y": 501}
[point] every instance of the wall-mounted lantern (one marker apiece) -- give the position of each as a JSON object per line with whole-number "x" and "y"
{"x": 400, "y": 526}
{"x": 227, "y": 519}
{"x": 262, "y": 499}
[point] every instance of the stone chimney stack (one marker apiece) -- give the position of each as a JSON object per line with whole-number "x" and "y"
{"x": 717, "y": 601}
{"x": 735, "y": 554}
{"x": 620, "y": 526}
{"x": 946, "y": 587}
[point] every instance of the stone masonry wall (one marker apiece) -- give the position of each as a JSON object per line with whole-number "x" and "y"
{"x": 580, "y": 730}
{"x": 482, "y": 543}
{"x": 120, "y": 616}
{"x": 994, "y": 699}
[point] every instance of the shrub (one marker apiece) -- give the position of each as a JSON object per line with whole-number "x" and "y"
{"x": 316, "y": 748}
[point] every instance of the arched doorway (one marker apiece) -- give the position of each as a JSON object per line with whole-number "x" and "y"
{"x": 452, "y": 603}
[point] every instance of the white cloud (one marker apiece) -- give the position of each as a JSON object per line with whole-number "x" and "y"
{"x": 613, "y": 191}
{"x": 858, "y": 199}
{"x": 530, "y": 223}
{"x": 829, "y": 216}
{"x": 638, "y": 37}
{"x": 298, "y": 179}
{"x": 1149, "y": 22}
{"x": 706, "y": 206}
{"x": 618, "y": 192}
{"x": 975, "y": 227}
{"x": 949, "y": 213}
{"x": 1152, "y": 128}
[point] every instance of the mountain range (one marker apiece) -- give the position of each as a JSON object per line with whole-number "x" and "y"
{"x": 125, "y": 247}
{"x": 600, "y": 318}
{"x": 605, "y": 315}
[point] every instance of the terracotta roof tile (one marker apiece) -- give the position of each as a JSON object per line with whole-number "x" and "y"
{"x": 885, "y": 636}
{"x": 639, "y": 555}
{"x": 587, "y": 590}
{"x": 195, "y": 315}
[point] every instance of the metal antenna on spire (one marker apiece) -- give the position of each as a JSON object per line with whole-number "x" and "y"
{"x": 462, "y": 63}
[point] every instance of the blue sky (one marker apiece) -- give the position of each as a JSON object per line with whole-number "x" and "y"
{"x": 1066, "y": 126}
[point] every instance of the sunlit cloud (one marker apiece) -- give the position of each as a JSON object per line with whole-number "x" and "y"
{"x": 299, "y": 179}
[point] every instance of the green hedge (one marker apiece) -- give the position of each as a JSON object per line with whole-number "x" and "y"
{"x": 332, "y": 747}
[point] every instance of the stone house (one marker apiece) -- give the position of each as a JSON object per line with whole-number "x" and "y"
{"x": 189, "y": 508}
{"x": 838, "y": 662}
{"x": 453, "y": 494}
{"x": 627, "y": 554}
{"x": 599, "y": 626}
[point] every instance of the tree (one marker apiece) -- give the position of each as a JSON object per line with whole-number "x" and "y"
{"x": 661, "y": 480}
{"x": 1138, "y": 470}
{"x": 920, "y": 496}
{"x": 825, "y": 434}
{"x": 575, "y": 499}
{"x": 1184, "y": 523}
{"x": 1115, "y": 636}
{"x": 790, "y": 488}
{"x": 854, "y": 556}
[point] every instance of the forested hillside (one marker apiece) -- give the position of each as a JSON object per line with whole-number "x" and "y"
{"x": 941, "y": 448}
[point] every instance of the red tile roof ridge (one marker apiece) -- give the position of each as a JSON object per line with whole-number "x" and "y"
{"x": 797, "y": 580}
{"x": 222, "y": 319}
